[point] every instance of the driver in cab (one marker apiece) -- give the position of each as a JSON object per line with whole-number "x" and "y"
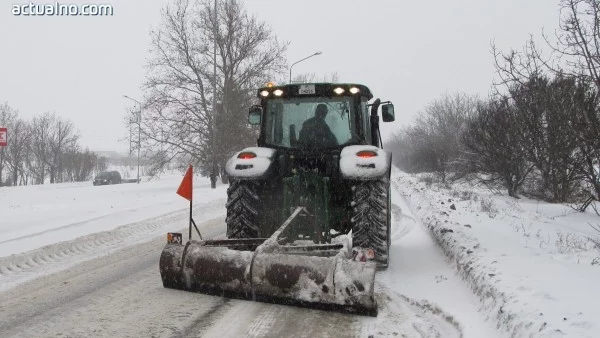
{"x": 315, "y": 132}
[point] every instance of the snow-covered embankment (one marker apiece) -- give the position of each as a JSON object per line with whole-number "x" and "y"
{"x": 512, "y": 259}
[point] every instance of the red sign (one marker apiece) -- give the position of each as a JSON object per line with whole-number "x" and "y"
{"x": 3, "y": 137}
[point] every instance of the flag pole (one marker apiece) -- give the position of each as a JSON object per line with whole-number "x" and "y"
{"x": 186, "y": 191}
{"x": 190, "y": 220}
{"x": 193, "y": 223}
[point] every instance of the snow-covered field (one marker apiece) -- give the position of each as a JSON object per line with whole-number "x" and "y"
{"x": 464, "y": 263}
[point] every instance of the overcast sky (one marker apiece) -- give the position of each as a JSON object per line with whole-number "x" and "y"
{"x": 409, "y": 52}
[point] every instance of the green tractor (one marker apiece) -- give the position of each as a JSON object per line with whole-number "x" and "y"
{"x": 317, "y": 174}
{"x": 343, "y": 180}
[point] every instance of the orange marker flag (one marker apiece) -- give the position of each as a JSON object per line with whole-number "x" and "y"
{"x": 185, "y": 188}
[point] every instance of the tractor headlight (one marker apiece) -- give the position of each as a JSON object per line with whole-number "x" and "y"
{"x": 278, "y": 92}
{"x": 339, "y": 90}
{"x": 354, "y": 90}
{"x": 264, "y": 93}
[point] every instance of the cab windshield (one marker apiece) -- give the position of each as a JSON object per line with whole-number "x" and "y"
{"x": 310, "y": 122}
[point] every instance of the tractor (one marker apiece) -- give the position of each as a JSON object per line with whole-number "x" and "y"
{"x": 308, "y": 208}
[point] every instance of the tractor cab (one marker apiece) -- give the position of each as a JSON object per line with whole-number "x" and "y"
{"x": 318, "y": 116}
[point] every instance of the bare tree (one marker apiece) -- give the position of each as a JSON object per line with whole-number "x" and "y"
{"x": 433, "y": 142}
{"x": 79, "y": 165}
{"x": 517, "y": 67}
{"x": 40, "y": 146}
{"x": 443, "y": 122}
{"x": 577, "y": 44}
{"x": 494, "y": 145}
{"x": 18, "y": 148}
{"x": 178, "y": 120}
{"x": 63, "y": 138}
{"x": 48, "y": 146}
{"x": 558, "y": 116}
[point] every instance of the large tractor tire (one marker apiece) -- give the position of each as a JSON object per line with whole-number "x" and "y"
{"x": 243, "y": 208}
{"x": 371, "y": 218}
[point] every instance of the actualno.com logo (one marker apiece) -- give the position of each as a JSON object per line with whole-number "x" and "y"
{"x": 58, "y": 9}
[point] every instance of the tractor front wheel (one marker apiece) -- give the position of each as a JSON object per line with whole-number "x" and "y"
{"x": 243, "y": 203}
{"x": 371, "y": 218}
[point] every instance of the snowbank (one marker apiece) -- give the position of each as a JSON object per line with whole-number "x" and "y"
{"x": 39, "y": 215}
{"x": 529, "y": 262}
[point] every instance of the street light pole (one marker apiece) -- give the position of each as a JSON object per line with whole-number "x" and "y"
{"x": 139, "y": 122}
{"x": 130, "y": 142}
{"x": 308, "y": 57}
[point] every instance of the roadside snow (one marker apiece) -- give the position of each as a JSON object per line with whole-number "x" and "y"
{"x": 529, "y": 262}
{"x": 34, "y": 216}
{"x": 419, "y": 275}
{"x": 22, "y": 267}
{"x": 48, "y": 228}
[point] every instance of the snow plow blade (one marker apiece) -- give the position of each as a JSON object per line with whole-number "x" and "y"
{"x": 318, "y": 276}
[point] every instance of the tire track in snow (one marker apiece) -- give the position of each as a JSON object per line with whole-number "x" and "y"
{"x": 20, "y": 268}
{"x": 401, "y": 316}
{"x": 261, "y": 326}
{"x": 66, "y": 226}
{"x": 45, "y": 318}
{"x": 206, "y": 319}
{"x": 398, "y": 192}
{"x": 120, "y": 295}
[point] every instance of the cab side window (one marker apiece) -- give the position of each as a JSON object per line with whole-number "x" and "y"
{"x": 366, "y": 122}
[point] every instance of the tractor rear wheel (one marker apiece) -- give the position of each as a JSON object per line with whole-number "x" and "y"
{"x": 371, "y": 218}
{"x": 243, "y": 207}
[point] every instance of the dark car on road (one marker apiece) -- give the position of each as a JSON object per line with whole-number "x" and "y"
{"x": 107, "y": 177}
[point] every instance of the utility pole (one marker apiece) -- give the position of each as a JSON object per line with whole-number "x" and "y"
{"x": 130, "y": 142}
{"x": 213, "y": 174}
{"x": 139, "y": 142}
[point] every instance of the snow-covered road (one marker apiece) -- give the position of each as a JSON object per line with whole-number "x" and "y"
{"x": 118, "y": 293}
{"x": 121, "y": 295}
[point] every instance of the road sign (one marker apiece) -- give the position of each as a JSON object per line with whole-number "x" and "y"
{"x": 3, "y": 137}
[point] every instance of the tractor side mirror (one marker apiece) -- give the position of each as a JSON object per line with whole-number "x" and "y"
{"x": 254, "y": 115}
{"x": 387, "y": 113}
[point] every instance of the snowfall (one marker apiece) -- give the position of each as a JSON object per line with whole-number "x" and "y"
{"x": 465, "y": 261}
